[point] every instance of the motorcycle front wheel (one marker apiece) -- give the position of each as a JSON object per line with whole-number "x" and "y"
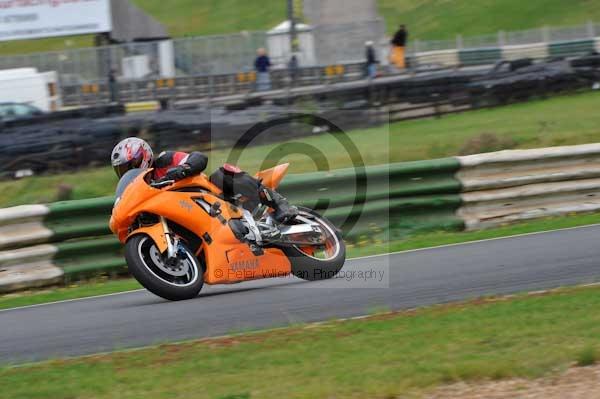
{"x": 175, "y": 281}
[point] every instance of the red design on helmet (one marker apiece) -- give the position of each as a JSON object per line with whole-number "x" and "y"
{"x": 131, "y": 153}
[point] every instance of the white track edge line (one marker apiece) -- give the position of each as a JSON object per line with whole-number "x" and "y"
{"x": 478, "y": 241}
{"x": 72, "y": 300}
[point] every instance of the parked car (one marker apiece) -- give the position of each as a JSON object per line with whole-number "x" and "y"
{"x": 14, "y": 111}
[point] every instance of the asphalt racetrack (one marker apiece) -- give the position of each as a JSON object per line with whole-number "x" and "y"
{"x": 397, "y": 281}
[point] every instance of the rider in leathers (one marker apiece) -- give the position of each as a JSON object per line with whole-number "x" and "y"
{"x": 134, "y": 153}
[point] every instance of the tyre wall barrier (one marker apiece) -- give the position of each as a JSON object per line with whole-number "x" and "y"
{"x": 48, "y": 244}
{"x": 61, "y": 242}
{"x": 482, "y": 56}
{"x": 447, "y": 58}
{"x": 518, "y": 185}
{"x": 534, "y": 51}
{"x": 572, "y": 48}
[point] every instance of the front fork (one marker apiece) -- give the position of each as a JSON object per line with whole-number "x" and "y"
{"x": 170, "y": 238}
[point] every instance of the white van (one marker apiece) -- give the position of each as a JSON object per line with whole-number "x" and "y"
{"x": 28, "y": 86}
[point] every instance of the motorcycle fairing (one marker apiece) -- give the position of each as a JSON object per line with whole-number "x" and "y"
{"x": 227, "y": 259}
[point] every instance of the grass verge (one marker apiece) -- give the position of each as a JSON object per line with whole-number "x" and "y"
{"x": 442, "y": 19}
{"x": 182, "y": 18}
{"x": 383, "y": 356}
{"x": 83, "y": 289}
{"x": 426, "y": 240}
{"x": 426, "y": 19}
{"x": 565, "y": 120}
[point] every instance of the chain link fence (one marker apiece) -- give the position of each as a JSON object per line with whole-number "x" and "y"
{"x": 82, "y": 65}
{"x": 587, "y": 31}
{"x": 205, "y": 55}
{"x": 235, "y": 53}
{"x": 345, "y": 43}
{"x": 217, "y": 54}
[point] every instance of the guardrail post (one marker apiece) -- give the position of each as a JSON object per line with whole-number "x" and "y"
{"x": 546, "y": 34}
{"x": 459, "y": 41}
{"x": 501, "y": 39}
{"x": 590, "y": 29}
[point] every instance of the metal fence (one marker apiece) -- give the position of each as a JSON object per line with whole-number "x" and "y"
{"x": 545, "y": 34}
{"x": 231, "y": 54}
{"x": 204, "y": 55}
{"x": 192, "y": 56}
{"x": 345, "y": 43}
{"x": 80, "y": 65}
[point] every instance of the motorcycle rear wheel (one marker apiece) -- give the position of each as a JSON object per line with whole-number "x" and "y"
{"x": 323, "y": 263}
{"x": 177, "y": 282}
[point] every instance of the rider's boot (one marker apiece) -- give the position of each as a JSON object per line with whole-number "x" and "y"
{"x": 284, "y": 212}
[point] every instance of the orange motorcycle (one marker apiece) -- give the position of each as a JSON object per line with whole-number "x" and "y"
{"x": 180, "y": 235}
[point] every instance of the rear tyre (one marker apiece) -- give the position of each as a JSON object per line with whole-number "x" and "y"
{"x": 322, "y": 263}
{"x": 177, "y": 282}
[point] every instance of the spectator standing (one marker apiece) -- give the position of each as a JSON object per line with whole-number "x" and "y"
{"x": 113, "y": 86}
{"x": 293, "y": 66}
{"x": 398, "y": 54}
{"x": 262, "y": 64}
{"x": 371, "y": 60}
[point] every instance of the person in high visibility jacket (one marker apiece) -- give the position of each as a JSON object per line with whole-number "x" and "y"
{"x": 398, "y": 54}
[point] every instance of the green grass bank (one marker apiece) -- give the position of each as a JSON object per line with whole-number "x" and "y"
{"x": 426, "y": 19}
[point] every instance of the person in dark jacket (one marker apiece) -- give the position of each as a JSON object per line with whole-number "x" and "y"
{"x": 262, "y": 64}
{"x": 293, "y": 67}
{"x": 398, "y": 54}
{"x": 133, "y": 153}
{"x": 371, "y": 60}
{"x": 113, "y": 86}
{"x": 401, "y": 37}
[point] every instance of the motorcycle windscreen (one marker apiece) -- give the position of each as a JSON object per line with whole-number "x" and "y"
{"x": 127, "y": 179}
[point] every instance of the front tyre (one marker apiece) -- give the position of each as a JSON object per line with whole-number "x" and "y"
{"x": 176, "y": 282}
{"x": 319, "y": 262}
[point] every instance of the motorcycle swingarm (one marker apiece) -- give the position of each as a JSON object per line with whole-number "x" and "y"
{"x": 290, "y": 235}
{"x": 297, "y": 243}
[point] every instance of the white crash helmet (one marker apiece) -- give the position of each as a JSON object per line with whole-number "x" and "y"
{"x": 131, "y": 153}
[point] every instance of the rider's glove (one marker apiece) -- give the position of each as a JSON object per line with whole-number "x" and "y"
{"x": 178, "y": 173}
